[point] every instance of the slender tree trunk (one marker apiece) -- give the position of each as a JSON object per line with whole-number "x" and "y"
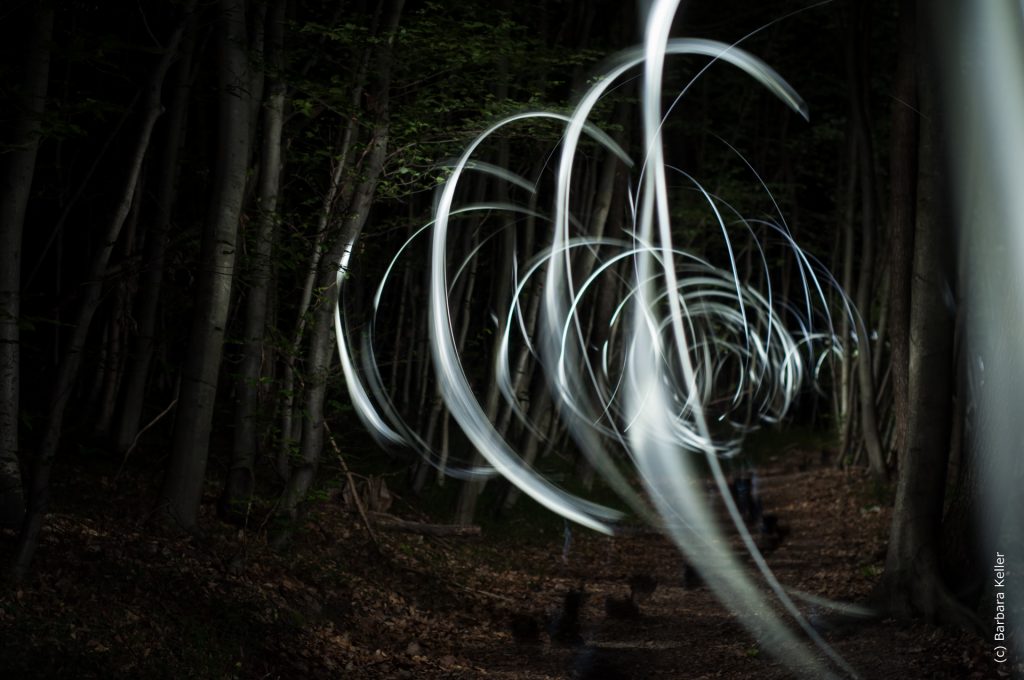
{"x": 399, "y": 330}
{"x": 241, "y": 478}
{"x": 336, "y": 194}
{"x": 321, "y": 340}
{"x": 846, "y": 362}
{"x": 540, "y": 416}
{"x": 16, "y": 179}
{"x": 470, "y": 490}
{"x": 877, "y": 358}
{"x": 321, "y": 346}
{"x": 110, "y": 371}
{"x": 866, "y": 169}
{"x": 137, "y": 374}
{"x": 902, "y": 199}
{"x": 183, "y": 484}
{"x": 461, "y": 296}
{"x": 67, "y": 372}
{"x": 67, "y": 208}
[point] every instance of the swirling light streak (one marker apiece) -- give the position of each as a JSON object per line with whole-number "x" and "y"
{"x": 681, "y": 326}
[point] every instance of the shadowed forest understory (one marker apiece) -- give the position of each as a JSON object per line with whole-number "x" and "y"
{"x": 416, "y": 339}
{"x": 118, "y": 601}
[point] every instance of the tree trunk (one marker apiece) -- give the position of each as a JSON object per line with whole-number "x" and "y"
{"x": 461, "y": 297}
{"x": 902, "y": 199}
{"x": 912, "y": 583}
{"x": 137, "y": 374}
{"x": 846, "y": 359}
{"x": 963, "y": 564}
{"x": 540, "y": 416}
{"x": 183, "y": 484}
{"x": 241, "y": 478}
{"x": 321, "y": 344}
{"x": 858, "y": 33}
{"x": 14, "y": 193}
{"x": 110, "y": 371}
{"x": 980, "y": 45}
{"x": 335, "y": 195}
{"x": 67, "y": 371}
{"x": 471, "y": 489}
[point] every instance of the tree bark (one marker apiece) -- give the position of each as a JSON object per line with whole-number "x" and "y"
{"x": 14, "y": 193}
{"x": 866, "y": 176}
{"x": 912, "y": 583}
{"x": 67, "y": 371}
{"x": 241, "y": 477}
{"x": 110, "y": 370}
{"x": 902, "y": 199}
{"x": 133, "y": 392}
{"x": 336, "y": 194}
{"x": 962, "y": 562}
{"x": 183, "y": 484}
{"x": 846, "y": 359}
{"x": 471, "y": 489}
{"x": 321, "y": 346}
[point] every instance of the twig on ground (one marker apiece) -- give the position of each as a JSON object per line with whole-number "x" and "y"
{"x": 352, "y": 485}
{"x": 135, "y": 442}
{"x": 390, "y": 522}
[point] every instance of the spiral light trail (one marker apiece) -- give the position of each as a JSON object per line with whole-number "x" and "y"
{"x": 692, "y": 355}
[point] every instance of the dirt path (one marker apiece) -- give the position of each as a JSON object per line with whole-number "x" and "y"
{"x": 113, "y": 599}
{"x": 834, "y": 548}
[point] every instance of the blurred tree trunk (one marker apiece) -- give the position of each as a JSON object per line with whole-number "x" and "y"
{"x": 459, "y": 297}
{"x": 16, "y": 178}
{"x": 471, "y": 489}
{"x": 92, "y": 290}
{"x": 540, "y": 415}
{"x": 501, "y": 296}
{"x": 977, "y": 48}
{"x": 183, "y": 484}
{"x": 241, "y": 477}
{"x": 133, "y": 391}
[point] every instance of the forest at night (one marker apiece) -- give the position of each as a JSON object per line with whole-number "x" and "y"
{"x": 544, "y": 339}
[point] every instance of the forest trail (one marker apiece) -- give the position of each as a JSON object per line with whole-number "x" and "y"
{"x": 684, "y": 632}
{"x": 112, "y": 600}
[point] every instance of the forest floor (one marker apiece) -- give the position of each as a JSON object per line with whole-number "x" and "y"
{"x": 112, "y": 599}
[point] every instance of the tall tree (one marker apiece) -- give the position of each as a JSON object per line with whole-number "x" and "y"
{"x": 241, "y": 478}
{"x": 133, "y": 390}
{"x": 902, "y": 198}
{"x": 337, "y": 191}
{"x": 15, "y": 186}
{"x": 912, "y": 583}
{"x": 183, "y": 483}
{"x": 89, "y": 301}
{"x": 982, "y": 70}
{"x": 321, "y": 345}
{"x": 858, "y": 35}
